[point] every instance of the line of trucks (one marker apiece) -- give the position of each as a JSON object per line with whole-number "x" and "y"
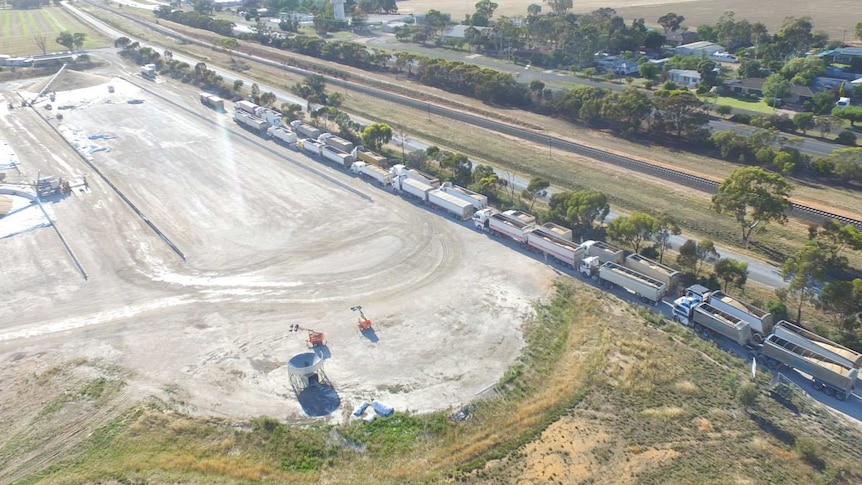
{"x": 832, "y": 367}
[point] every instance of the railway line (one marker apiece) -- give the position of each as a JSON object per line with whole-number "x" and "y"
{"x": 677, "y": 176}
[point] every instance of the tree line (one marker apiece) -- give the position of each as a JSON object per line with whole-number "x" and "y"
{"x": 196, "y": 20}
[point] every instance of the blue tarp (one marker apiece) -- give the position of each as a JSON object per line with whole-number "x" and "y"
{"x": 382, "y": 409}
{"x": 361, "y": 409}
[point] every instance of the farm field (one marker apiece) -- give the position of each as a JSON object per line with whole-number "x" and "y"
{"x": 833, "y": 20}
{"x": 19, "y": 28}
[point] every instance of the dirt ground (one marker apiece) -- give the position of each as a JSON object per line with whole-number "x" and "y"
{"x": 272, "y": 239}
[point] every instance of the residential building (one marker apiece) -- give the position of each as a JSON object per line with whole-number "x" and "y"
{"x": 753, "y": 86}
{"x": 618, "y": 65}
{"x": 684, "y": 77}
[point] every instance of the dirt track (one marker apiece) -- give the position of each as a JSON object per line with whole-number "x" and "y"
{"x": 269, "y": 244}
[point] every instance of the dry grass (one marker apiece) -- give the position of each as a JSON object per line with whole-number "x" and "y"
{"x": 832, "y": 20}
{"x": 19, "y": 29}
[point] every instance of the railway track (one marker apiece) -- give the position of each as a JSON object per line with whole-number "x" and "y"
{"x": 677, "y": 176}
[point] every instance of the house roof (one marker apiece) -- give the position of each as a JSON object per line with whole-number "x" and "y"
{"x": 684, "y": 72}
{"x": 757, "y": 83}
{"x": 686, "y": 36}
{"x": 460, "y": 31}
{"x": 698, "y": 45}
{"x": 848, "y": 51}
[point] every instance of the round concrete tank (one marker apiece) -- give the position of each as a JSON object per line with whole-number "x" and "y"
{"x": 305, "y": 369}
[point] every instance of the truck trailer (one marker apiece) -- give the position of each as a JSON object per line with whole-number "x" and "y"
{"x": 370, "y": 157}
{"x": 246, "y": 107}
{"x": 343, "y": 160}
{"x": 413, "y": 187}
{"x": 659, "y": 271}
{"x": 212, "y": 101}
{"x": 558, "y": 230}
{"x": 310, "y": 146}
{"x": 459, "y": 208}
{"x": 828, "y": 376}
{"x": 648, "y": 289}
{"x": 512, "y": 223}
{"x": 282, "y": 134}
{"x": 366, "y": 170}
{"x": 306, "y": 131}
{"x": 761, "y": 321}
{"x": 565, "y": 251}
{"x": 706, "y": 319}
{"x": 604, "y": 251}
{"x": 832, "y": 350}
{"x": 336, "y": 142}
{"x": 256, "y": 125}
{"x": 401, "y": 170}
{"x": 477, "y": 200}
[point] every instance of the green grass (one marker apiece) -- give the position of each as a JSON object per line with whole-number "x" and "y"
{"x": 758, "y": 105}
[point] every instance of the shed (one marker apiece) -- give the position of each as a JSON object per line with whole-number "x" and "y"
{"x": 699, "y": 48}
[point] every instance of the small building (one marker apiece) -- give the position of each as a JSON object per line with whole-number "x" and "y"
{"x": 685, "y": 77}
{"x": 753, "y": 86}
{"x": 618, "y": 65}
{"x": 681, "y": 37}
{"x": 460, "y": 31}
{"x": 698, "y": 48}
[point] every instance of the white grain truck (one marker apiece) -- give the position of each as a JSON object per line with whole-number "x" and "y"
{"x": 459, "y": 208}
{"x": 612, "y": 275}
{"x": 336, "y": 142}
{"x": 825, "y": 347}
{"x": 828, "y": 375}
{"x": 246, "y": 107}
{"x": 368, "y": 171}
{"x": 546, "y": 240}
{"x": 761, "y": 321}
{"x": 513, "y": 224}
{"x": 283, "y": 135}
{"x": 271, "y": 116}
{"x": 212, "y": 101}
{"x": 401, "y": 170}
{"x": 310, "y": 146}
{"x": 413, "y": 187}
{"x": 706, "y": 320}
{"x": 661, "y": 272}
{"x": 252, "y": 123}
{"x": 604, "y": 251}
{"x": 303, "y": 130}
{"x": 148, "y": 71}
{"x": 342, "y": 159}
{"x": 478, "y": 201}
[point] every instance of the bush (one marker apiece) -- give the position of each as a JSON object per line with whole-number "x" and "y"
{"x": 649, "y": 252}
{"x": 741, "y": 118}
{"x": 747, "y": 394}
{"x": 847, "y": 137}
{"x": 724, "y": 109}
